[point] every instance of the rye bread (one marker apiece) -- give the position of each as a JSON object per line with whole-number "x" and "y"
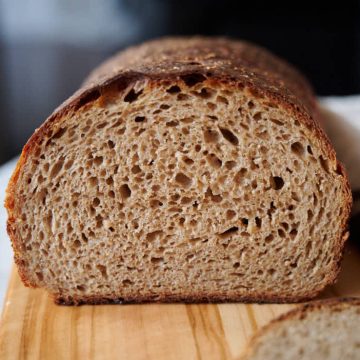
{"x": 321, "y": 330}
{"x": 184, "y": 169}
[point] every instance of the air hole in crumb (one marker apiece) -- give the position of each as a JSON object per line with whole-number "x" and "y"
{"x": 117, "y": 123}
{"x": 125, "y": 191}
{"x": 297, "y": 148}
{"x": 151, "y": 236}
{"x": 46, "y": 167}
{"x": 98, "y": 160}
{"x": 285, "y": 225}
{"x": 187, "y": 160}
{"x": 257, "y": 116}
{"x": 276, "y": 182}
{"x": 93, "y": 181}
{"x": 68, "y": 164}
{"x": 211, "y": 105}
{"x": 186, "y": 200}
{"x": 102, "y": 270}
{"x": 80, "y": 288}
{"x": 69, "y": 228}
{"x": 140, "y": 119}
{"x": 211, "y": 136}
{"x": 132, "y": 96}
{"x": 109, "y": 180}
{"x": 229, "y": 232}
{"x": 48, "y": 220}
{"x": 222, "y": 99}
{"x": 324, "y": 163}
{"x": 240, "y": 175}
{"x": 101, "y": 125}
{"x": 183, "y": 180}
{"x": 59, "y": 133}
{"x": 197, "y": 147}
{"x": 193, "y": 222}
{"x": 192, "y": 79}
{"x": 250, "y": 104}
{"x": 293, "y": 233}
{"x": 172, "y": 123}
{"x": 230, "y": 214}
{"x": 155, "y": 203}
{"x": 216, "y": 198}
{"x": 339, "y": 170}
{"x": 281, "y": 233}
{"x": 77, "y": 243}
{"x": 173, "y": 89}
{"x": 96, "y": 202}
{"x": 209, "y": 194}
{"x": 315, "y": 200}
{"x": 236, "y": 265}
{"x": 310, "y": 215}
{"x": 182, "y": 97}
{"x": 295, "y": 196}
{"x": 258, "y": 222}
{"x": 214, "y": 161}
{"x": 277, "y": 122}
{"x": 40, "y": 275}
{"x": 205, "y": 93}
{"x": 157, "y": 260}
{"x": 269, "y": 238}
{"x": 245, "y": 221}
{"x": 230, "y": 164}
{"x": 136, "y": 169}
{"x": 309, "y": 150}
{"x": 127, "y": 282}
{"x": 229, "y": 136}
{"x": 56, "y": 168}
{"x": 111, "y": 144}
{"x": 185, "y": 131}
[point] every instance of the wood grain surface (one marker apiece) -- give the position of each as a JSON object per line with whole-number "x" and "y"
{"x": 32, "y": 327}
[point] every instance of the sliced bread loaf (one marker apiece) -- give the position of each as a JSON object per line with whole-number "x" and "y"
{"x": 322, "y": 330}
{"x": 185, "y": 169}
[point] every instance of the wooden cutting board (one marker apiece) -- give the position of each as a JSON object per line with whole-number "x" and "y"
{"x": 32, "y": 327}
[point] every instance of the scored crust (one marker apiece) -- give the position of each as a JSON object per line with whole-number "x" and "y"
{"x": 221, "y": 61}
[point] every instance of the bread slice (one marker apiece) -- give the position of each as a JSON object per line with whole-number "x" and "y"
{"x": 322, "y": 330}
{"x": 185, "y": 169}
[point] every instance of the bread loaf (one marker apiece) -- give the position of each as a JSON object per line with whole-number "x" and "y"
{"x": 322, "y": 330}
{"x": 184, "y": 169}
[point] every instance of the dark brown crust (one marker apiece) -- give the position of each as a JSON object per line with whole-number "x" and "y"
{"x": 226, "y": 62}
{"x": 300, "y": 313}
{"x": 170, "y": 298}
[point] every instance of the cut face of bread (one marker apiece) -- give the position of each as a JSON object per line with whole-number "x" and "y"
{"x": 181, "y": 182}
{"x": 327, "y": 330}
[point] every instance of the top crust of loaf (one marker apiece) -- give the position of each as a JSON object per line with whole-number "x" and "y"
{"x": 231, "y": 63}
{"x": 300, "y": 313}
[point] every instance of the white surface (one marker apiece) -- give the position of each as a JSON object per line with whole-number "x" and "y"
{"x": 342, "y": 124}
{"x": 342, "y": 115}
